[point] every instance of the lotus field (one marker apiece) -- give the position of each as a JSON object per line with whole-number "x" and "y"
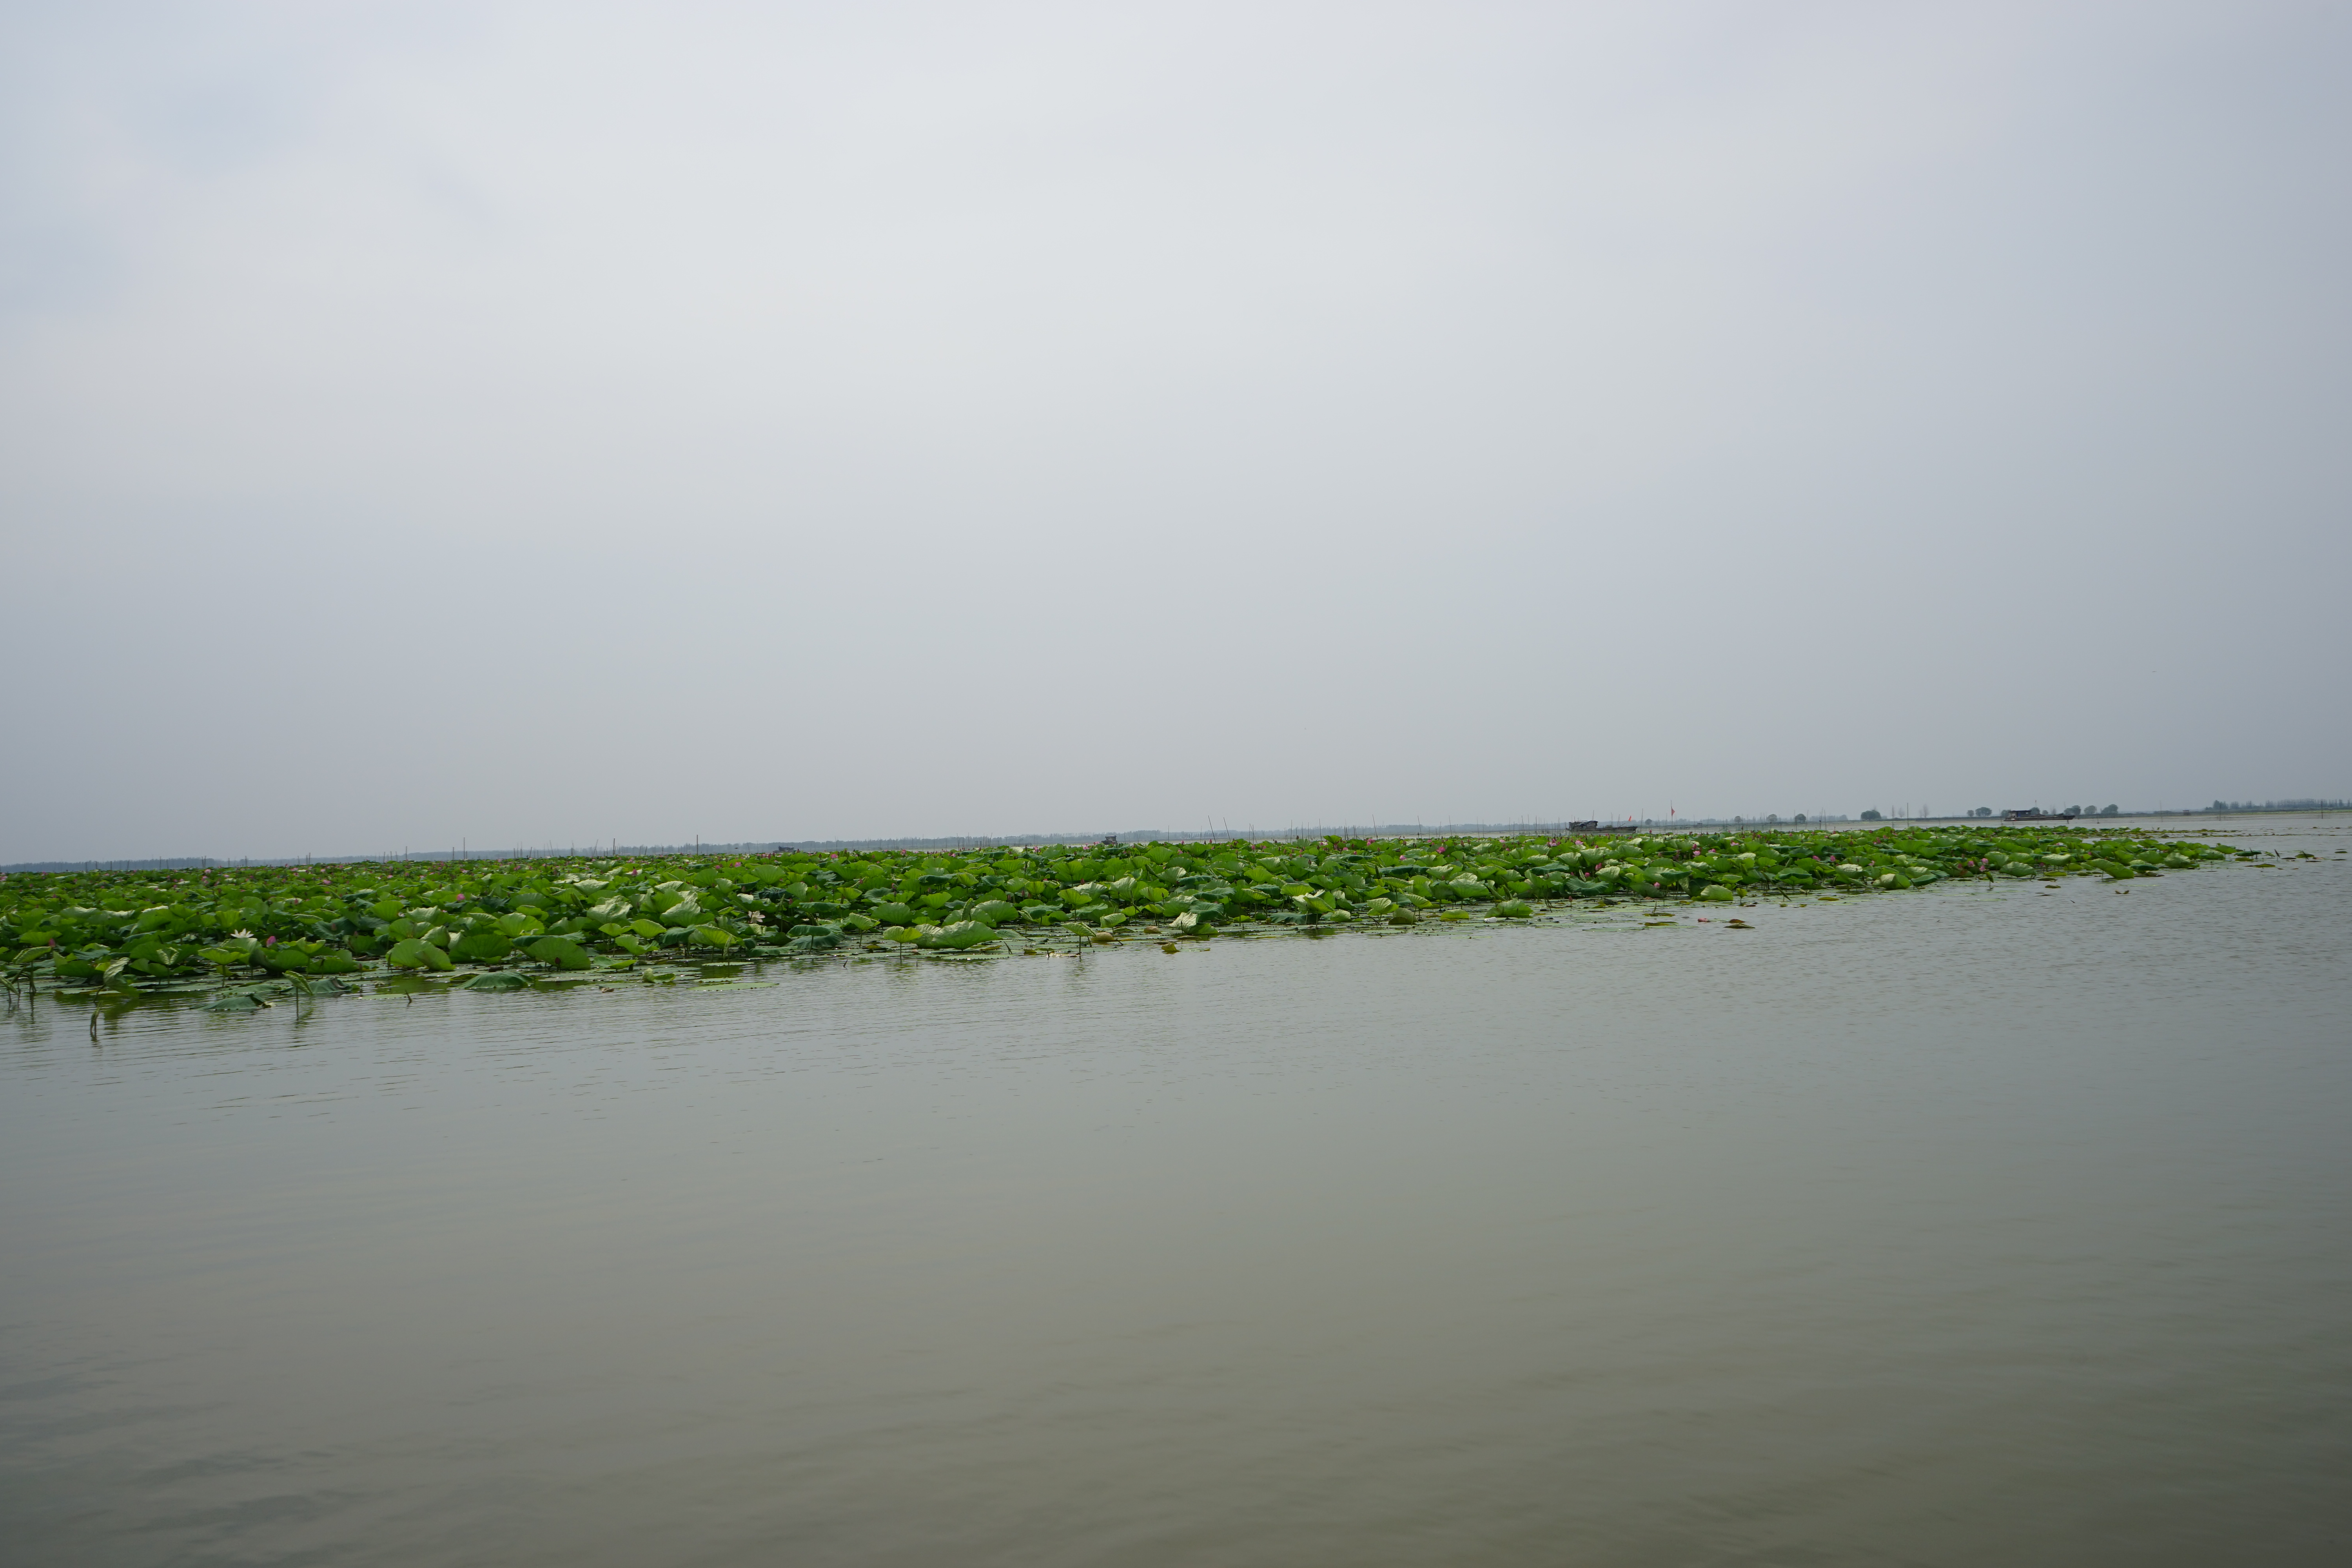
{"x": 249, "y": 933}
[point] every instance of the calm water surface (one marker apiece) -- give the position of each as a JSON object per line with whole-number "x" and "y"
{"x": 1955, "y": 1228}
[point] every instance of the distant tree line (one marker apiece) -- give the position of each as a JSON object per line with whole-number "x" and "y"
{"x": 2280, "y": 805}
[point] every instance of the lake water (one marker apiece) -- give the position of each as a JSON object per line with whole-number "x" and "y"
{"x": 1952, "y": 1227}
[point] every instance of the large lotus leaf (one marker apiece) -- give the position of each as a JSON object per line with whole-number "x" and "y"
{"x": 408, "y": 953}
{"x": 860, "y": 922}
{"x": 647, "y": 928}
{"x": 994, "y": 911}
{"x": 960, "y": 934}
{"x": 334, "y": 960}
{"x": 682, "y": 917}
{"x": 561, "y": 952}
{"x": 1190, "y": 924}
{"x": 481, "y": 947}
{"x": 1515, "y": 909}
{"x": 894, "y": 914}
{"x": 278, "y": 960}
{"x": 1041, "y": 914}
{"x": 1717, "y": 893}
{"x": 715, "y": 936}
{"x": 610, "y": 909}
{"x": 627, "y": 944}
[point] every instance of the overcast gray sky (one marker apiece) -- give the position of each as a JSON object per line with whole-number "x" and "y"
{"x": 540, "y": 423}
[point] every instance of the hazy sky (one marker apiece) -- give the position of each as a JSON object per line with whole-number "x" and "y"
{"x": 540, "y": 423}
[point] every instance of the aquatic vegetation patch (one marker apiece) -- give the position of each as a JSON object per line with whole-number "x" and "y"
{"x": 506, "y": 925}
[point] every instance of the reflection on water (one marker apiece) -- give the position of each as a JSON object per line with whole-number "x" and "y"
{"x": 1954, "y": 1228}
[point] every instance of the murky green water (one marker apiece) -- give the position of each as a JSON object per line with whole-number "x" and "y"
{"x": 1946, "y": 1228}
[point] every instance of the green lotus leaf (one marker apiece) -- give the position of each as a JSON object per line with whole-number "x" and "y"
{"x": 481, "y": 947}
{"x": 494, "y": 980}
{"x": 820, "y": 937}
{"x": 715, "y": 936}
{"x": 559, "y": 952}
{"x": 896, "y": 914}
{"x": 960, "y": 934}
{"x": 1515, "y": 909}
